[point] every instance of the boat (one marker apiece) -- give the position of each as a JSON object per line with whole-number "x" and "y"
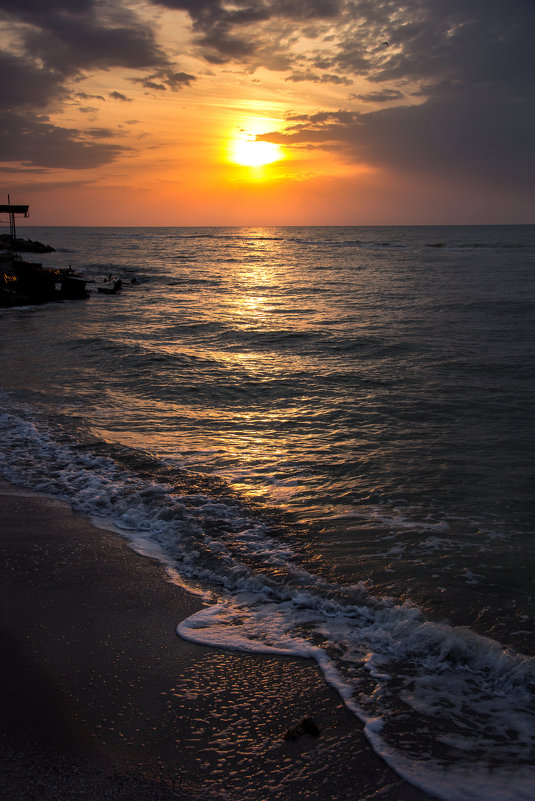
{"x": 111, "y": 290}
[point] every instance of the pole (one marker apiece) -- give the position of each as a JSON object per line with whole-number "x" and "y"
{"x": 12, "y": 227}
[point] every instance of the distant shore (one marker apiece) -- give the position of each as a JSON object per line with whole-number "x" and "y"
{"x": 101, "y": 699}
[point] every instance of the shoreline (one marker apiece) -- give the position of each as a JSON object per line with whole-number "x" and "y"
{"x": 101, "y": 698}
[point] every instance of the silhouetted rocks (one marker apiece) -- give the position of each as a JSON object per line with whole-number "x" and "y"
{"x": 306, "y": 726}
{"x": 23, "y": 245}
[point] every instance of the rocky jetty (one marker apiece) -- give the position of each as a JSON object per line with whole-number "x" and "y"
{"x": 17, "y": 245}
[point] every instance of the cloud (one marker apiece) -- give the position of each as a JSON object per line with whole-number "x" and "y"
{"x": 86, "y": 96}
{"x": 463, "y": 69}
{"x": 67, "y": 36}
{"x": 120, "y": 96}
{"x": 243, "y": 30}
{"x": 68, "y": 45}
{"x": 422, "y": 49}
{"x": 485, "y": 140}
{"x": 326, "y": 77}
{"x": 60, "y": 39}
{"x": 243, "y": 10}
{"x": 25, "y": 84}
{"x": 35, "y": 141}
{"x": 55, "y": 43}
{"x": 380, "y": 96}
{"x": 161, "y": 80}
{"x": 455, "y": 78}
{"x": 176, "y": 80}
{"x": 29, "y": 138}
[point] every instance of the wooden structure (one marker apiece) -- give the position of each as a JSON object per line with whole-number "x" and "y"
{"x": 12, "y": 210}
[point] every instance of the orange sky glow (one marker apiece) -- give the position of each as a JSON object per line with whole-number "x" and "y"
{"x": 265, "y": 112}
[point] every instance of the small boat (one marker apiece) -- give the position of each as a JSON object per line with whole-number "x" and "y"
{"x": 111, "y": 290}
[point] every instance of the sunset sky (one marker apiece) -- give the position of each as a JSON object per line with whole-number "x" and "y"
{"x": 159, "y": 112}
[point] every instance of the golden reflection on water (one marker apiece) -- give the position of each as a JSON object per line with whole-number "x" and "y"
{"x": 201, "y": 427}
{"x": 250, "y": 313}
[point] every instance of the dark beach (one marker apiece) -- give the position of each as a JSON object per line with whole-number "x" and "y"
{"x": 101, "y": 698}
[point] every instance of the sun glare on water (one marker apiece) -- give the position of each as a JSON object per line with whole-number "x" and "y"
{"x": 250, "y": 153}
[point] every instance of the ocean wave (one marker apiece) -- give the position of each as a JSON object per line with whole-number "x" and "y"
{"x": 439, "y": 703}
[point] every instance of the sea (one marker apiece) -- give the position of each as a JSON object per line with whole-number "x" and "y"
{"x": 327, "y": 434}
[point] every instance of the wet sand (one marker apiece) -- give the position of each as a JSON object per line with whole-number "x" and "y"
{"x": 100, "y": 699}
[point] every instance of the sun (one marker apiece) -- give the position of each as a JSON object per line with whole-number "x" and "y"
{"x": 251, "y": 153}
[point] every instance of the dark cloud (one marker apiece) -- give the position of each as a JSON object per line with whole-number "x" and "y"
{"x": 240, "y": 10}
{"x": 54, "y": 43}
{"x": 307, "y": 9}
{"x": 33, "y": 141}
{"x": 31, "y": 10}
{"x": 165, "y": 79}
{"x": 150, "y": 84}
{"x": 215, "y": 23}
{"x": 67, "y": 46}
{"x": 321, "y": 118}
{"x": 30, "y": 139}
{"x": 176, "y": 80}
{"x": 67, "y": 37}
{"x": 72, "y": 35}
{"x": 86, "y": 96}
{"x": 25, "y": 84}
{"x": 380, "y": 96}
{"x": 471, "y": 43}
{"x": 120, "y": 96}
{"x": 483, "y": 141}
{"x": 227, "y": 32}
{"x": 325, "y": 77}
{"x": 99, "y": 133}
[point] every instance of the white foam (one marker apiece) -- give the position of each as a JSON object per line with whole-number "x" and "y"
{"x": 454, "y": 783}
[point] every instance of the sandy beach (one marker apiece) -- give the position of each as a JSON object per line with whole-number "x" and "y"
{"x": 101, "y": 699}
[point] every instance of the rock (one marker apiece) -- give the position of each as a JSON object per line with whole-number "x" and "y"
{"x": 306, "y": 726}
